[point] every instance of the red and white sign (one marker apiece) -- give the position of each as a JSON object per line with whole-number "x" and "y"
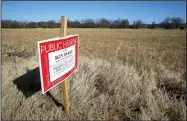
{"x": 58, "y": 60}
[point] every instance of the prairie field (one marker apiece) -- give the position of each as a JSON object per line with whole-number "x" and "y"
{"x": 123, "y": 74}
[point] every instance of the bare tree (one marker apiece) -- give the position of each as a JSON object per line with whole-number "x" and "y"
{"x": 125, "y": 23}
{"x": 117, "y": 23}
{"x": 167, "y": 22}
{"x": 6, "y": 23}
{"x": 153, "y": 25}
{"x": 137, "y": 23}
{"x": 177, "y": 21}
{"x": 51, "y": 24}
{"x": 89, "y": 23}
{"x": 104, "y": 23}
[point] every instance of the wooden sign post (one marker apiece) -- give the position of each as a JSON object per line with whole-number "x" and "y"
{"x": 63, "y": 32}
{"x": 58, "y": 59}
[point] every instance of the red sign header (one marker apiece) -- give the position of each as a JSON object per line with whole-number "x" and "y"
{"x": 58, "y": 60}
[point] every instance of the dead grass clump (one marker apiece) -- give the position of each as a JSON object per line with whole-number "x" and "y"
{"x": 99, "y": 90}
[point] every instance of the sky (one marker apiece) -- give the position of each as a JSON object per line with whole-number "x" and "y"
{"x": 146, "y": 11}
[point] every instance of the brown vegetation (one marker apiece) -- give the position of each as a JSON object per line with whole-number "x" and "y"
{"x": 122, "y": 75}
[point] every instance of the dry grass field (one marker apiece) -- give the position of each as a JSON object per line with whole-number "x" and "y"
{"x": 123, "y": 74}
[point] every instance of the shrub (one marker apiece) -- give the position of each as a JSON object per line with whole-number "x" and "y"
{"x": 182, "y": 27}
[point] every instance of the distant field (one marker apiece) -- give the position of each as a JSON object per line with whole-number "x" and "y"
{"x": 123, "y": 74}
{"x": 162, "y": 46}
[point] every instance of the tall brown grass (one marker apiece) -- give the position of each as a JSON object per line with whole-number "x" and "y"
{"x": 122, "y": 75}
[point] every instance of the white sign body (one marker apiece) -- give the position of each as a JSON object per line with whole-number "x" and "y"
{"x": 58, "y": 60}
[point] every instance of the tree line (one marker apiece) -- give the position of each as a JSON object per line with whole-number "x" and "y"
{"x": 167, "y": 23}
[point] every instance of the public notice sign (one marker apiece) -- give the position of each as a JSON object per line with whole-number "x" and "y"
{"x": 58, "y": 59}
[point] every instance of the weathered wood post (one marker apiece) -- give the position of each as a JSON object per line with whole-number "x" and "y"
{"x": 63, "y": 32}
